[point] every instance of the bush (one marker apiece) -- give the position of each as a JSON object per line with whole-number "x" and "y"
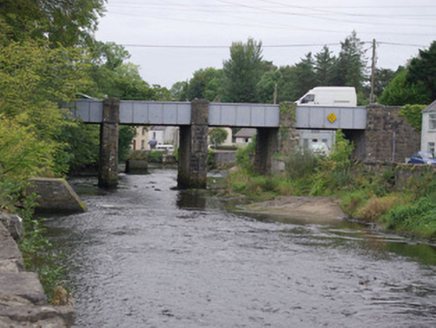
{"x": 245, "y": 155}
{"x": 417, "y": 217}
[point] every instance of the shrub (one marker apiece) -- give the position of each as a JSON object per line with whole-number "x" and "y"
{"x": 375, "y": 207}
{"x": 245, "y": 155}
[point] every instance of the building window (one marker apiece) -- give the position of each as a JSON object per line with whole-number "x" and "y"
{"x": 143, "y": 131}
{"x": 432, "y": 122}
{"x": 143, "y": 144}
{"x": 430, "y": 147}
{"x": 134, "y": 144}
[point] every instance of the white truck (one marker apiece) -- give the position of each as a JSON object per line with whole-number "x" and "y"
{"x": 329, "y": 96}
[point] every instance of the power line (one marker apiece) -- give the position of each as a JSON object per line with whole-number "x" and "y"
{"x": 226, "y": 47}
{"x": 187, "y": 46}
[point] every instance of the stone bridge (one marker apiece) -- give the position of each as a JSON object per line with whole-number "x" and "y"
{"x": 378, "y": 132}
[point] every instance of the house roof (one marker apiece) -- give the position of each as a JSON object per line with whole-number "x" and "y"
{"x": 431, "y": 107}
{"x": 245, "y": 133}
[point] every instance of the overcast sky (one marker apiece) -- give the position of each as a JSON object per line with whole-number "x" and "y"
{"x": 171, "y": 39}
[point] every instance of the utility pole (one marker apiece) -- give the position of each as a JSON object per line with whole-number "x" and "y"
{"x": 275, "y": 94}
{"x": 371, "y": 98}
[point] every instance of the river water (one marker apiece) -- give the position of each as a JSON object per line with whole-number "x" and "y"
{"x": 146, "y": 255}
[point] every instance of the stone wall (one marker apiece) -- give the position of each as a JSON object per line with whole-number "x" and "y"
{"x": 387, "y": 138}
{"x": 22, "y": 299}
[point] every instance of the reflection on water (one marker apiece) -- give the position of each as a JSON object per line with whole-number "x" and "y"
{"x": 147, "y": 255}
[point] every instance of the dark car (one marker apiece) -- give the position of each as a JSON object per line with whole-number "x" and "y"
{"x": 422, "y": 157}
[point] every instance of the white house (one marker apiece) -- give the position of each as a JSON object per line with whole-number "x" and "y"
{"x": 428, "y": 128}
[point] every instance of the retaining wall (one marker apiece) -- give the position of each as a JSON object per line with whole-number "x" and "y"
{"x": 22, "y": 299}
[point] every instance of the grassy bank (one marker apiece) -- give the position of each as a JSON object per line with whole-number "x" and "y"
{"x": 379, "y": 197}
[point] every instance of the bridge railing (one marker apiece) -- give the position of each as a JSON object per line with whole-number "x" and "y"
{"x": 223, "y": 114}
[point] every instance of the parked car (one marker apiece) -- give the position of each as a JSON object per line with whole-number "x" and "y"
{"x": 422, "y": 157}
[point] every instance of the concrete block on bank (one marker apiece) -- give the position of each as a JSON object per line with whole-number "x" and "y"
{"x": 56, "y": 195}
{"x": 136, "y": 166}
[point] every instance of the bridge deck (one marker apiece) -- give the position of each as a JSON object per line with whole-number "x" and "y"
{"x": 223, "y": 114}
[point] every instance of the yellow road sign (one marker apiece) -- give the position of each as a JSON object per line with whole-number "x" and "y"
{"x": 332, "y": 117}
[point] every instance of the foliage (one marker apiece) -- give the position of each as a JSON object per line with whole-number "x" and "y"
{"x": 39, "y": 256}
{"x": 351, "y": 63}
{"x": 205, "y": 84}
{"x": 418, "y": 216}
{"x": 245, "y": 155}
{"x": 413, "y": 115}
{"x": 267, "y": 84}
{"x": 242, "y": 72}
{"x": 304, "y": 77}
{"x": 22, "y": 153}
{"x": 422, "y": 71}
{"x": 375, "y": 207}
{"x": 217, "y": 136}
{"x": 33, "y": 79}
{"x": 66, "y": 23}
{"x": 81, "y": 144}
{"x": 125, "y": 136}
{"x": 155, "y": 156}
{"x": 400, "y": 91}
{"x": 324, "y": 67}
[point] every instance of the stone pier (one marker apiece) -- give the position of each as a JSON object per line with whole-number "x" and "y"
{"x": 266, "y": 148}
{"x": 108, "y": 163}
{"x": 192, "y": 167}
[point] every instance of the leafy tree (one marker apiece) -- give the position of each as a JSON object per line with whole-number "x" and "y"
{"x": 422, "y": 71}
{"x": 400, "y": 92}
{"x": 205, "y": 84}
{"x": 217, "y": 136}
{"x": 125, "y": 137}
{"x": 33, "y": 79}
{"x": 243, "y": 71}
{"x": 267, "y": 84}
{"x": 351, "y": 63}
{"x": 382, "y": 78}
{"x": 286, "y": 91}
{"x": 179, "y": 91}
{"x": 66, "y": 23}
{"x": 413, "y": 115}
{"x": 304, "y": 77}
{"x": 324, "y": 67}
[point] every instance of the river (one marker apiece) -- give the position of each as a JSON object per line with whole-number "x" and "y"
{"x": 146, "y": 255}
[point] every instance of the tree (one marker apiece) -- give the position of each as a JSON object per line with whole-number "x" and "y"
{"x": 217, "y": 136}
{"x": 205, "y": 84}
{"x": 422, "y": 71}
{"x": 267, "y": 84}
{"x": 304, "y": 77}
{"x": 324, "y": 67}
{"x": 243, "y": 71}
{"x": 400, "y": 92}
{"x": 382, "y": 78}
{"x": 66, "y": 23}
{"x": 351, "y": 64}
{"x": 179, "y": 91}
{"x": 413, "y": 115}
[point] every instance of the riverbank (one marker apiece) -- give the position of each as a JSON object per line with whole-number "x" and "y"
{"x": 23, "y": 302}
{"x": 303, "y": 207}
